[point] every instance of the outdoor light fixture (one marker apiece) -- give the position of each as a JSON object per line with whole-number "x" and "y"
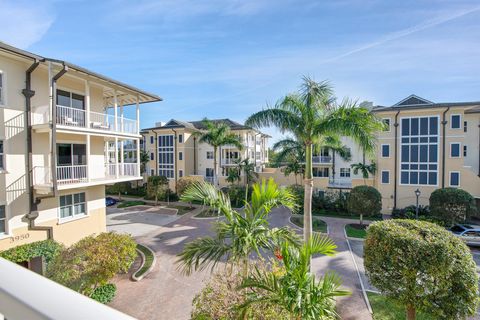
{"x": 417, "y": 193}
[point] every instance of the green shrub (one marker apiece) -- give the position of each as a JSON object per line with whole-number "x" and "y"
{"x": 332, "y": 202}
{"x": 364, "y": 200}
{"x": 423, "y": 267}
{"x": 49, "y": 249}
{"x": 93, "y": 261}
{"x": 236, "y": 194}
{"x": 126, "y": 204}
{"x": 104, "y": 293}
{"x": 452, "y": 205}
{"x": 183, "y": 183}
{"x": 299, "y": 193}
{"x": 410, "y": 211}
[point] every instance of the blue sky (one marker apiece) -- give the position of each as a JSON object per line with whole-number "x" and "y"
{"x": 228, "y": 58}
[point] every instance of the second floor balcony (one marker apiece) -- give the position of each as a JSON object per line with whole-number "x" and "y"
{"x": 74, "y": 118}
{"x": 321, "y": 159}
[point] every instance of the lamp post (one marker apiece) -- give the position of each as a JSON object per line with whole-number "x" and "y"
{"x": 417, "y": 194}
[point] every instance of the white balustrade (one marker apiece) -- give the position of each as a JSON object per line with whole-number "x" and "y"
{"x": 71, "y": 174}
{"x": 71, "y": 117}
{"x": 322, "y": 159}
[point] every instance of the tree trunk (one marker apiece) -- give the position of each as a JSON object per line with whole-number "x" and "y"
{"x": 411, "y": 312}
{"x": 215, "y": 180}
{"x": 307, "y": 210}
{"x": 361, "y": 219}
{"x": 119, "y": 196}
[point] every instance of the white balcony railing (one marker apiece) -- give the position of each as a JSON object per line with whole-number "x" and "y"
{"x": 340, "y": 182}
{"x": 72, "y": 174}
{"x": 226, "y": 161}
{"x": 72, "y": 117}
{"x": 322, "y": 159}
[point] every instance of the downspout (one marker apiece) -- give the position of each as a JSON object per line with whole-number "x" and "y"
{"x": 333, "y": 167}
{"x": 444, "y": 129}
{"x": 155, "y": 152}
{"x": 32, "y": 204}
{"x": 175, "y": 154}
{"x": 53, "y": 98}
{"x": 194, "y": 155}
{"x": 395, "y": 166}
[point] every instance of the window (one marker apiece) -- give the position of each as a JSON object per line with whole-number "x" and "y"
{"x": 72, "y": 205}
{"x": 465, "y": 126}
{"x": 180, "y": 138}
{"x": 455, "y": 121}
{"x": 386, "y": 123}
{"x": 386, "y": 177}
{"x": 70, "y": 100}
{"x": 3, "y": 218}
{"x": 152, "y": 155}
{"x": 166, "y": 154}
{"x": 151, "y": 139}
{"x": 209, "y": 154}
{"x": 464, "y": 151}
{"x": 152, "y": 172}
{"x": 209, "y": 172}
{"x": 454, "y": 178}
{"x": 180, "y": 173}
{"x": 2, "y": 90}
{"x": 455, "y": 150}
{"x": 419, "y": 151}
{"x": 2, "y": 156}
{"x": 345, "y": 172}
{"x": 385, "y": 150}
{"x": 180, "y": 156}
{"x": 320, "y": 172}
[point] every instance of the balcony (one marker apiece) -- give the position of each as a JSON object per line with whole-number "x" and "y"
{"x": 321, "y": 159}
{"x": 72, "y": 176}
{"x": 340, "y": 183}
{"x": 229, "y": 161}
{"x": 68, "y": 117}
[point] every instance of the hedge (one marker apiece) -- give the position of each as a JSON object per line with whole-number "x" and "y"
{"x": 104, "y": 294}
{"x": 49, "y": 249}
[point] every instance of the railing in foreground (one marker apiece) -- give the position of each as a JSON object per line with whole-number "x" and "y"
{"x": 27, "y": 295}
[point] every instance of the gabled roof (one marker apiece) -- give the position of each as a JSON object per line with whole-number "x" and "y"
{"x": 416, "y": 102}
{"x": 232, "y": 124}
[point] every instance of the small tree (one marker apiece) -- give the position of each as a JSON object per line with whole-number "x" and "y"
{"x": 183, "y": 184}
{"x": 422, "y": 266}
{"x": 155, "y": 185}
{"x": 93, "y": 261}
{"x": 364, "y": 200}
{"x": 365, "y": 169}
{"x": 452, "y": 205}
{"x": 121, "y": 188}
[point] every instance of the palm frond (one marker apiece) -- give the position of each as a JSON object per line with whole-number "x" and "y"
{"x": 202, "y": 253}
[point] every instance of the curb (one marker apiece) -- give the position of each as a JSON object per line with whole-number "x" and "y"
{"x": 135, "y": 278}
{"x": 301, "y": 228}
{"x": 365, "y": 297}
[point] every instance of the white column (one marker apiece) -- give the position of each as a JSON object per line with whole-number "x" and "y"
{"x": 115, "y": 106}
{"x": 89, "y": 170}
{"x": 121, "y": 116}
{"x": 121, "y": 157}
{"x": 138, "y": 156}
{"x": 116, "y": 156}
{"x": 138, "y": 116}
{"x": 87, "y": 104}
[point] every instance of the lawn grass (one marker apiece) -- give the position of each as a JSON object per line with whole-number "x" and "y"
{"x": 343, "y": 215}
{"x": 181, "y": 209}
{"x": 148, "y": 260}
{"x": 126, "y": 204}
{"x": 389, "y": 310}
{"x": 356, "y": 230}
{"x": 208, "y": 213}
{"x": 317, "y": 224}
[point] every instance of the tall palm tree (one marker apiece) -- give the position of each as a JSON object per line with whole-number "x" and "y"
{"x": 297, "y": 290}
{"x": 312, "y": 114}
{"x": 240, "y": 234}
{"x": 365, "y": 169}
{"x": 218, "y": 134}
{"x": 248, "y": 168}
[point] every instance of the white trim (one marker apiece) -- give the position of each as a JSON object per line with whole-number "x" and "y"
{"x": 450, "y": 179}
{"x": 73, "y": 216}
{"x": 3, "y": 98}
{"x": 460, "y": 150}
{"x": 6, "y": 233}
{"x": 460, "y": 122}
{"x": 381, "y": 150}
{"x": 381, "y": 177}
{"x": 389, "y": 124}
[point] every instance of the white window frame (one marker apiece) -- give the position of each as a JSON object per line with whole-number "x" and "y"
{"x": 389, "y": 124}
{"x": 5, "y": 220}
{"x": 73, "y": 216}
{"x": 459, "y": 121}
{"x": 381, "y": 150}
{"x": 344, "y": 171}
{"x": 180, "y": 138}
{"x": 3, "y": 89}
{"x": 207, "y": 157}
{"x": 450, "y": 179}
{"x": 459, "y": 150}
{"x": 381, "y": 177}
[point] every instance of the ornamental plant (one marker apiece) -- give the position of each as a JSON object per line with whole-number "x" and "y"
{"x": 452, "y": 205}
{"x": 48, "y": 249}
{"x": 422, "y": 266}
{"x": 364, "y": 200}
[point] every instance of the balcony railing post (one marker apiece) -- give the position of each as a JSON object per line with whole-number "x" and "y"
{"x": 88, "y": 158}
{"x": 87, "y": 104}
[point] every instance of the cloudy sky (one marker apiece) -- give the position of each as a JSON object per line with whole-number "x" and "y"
{"x": 229, "y": 58}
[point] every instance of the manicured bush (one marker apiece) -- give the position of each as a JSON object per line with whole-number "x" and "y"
{"x": 364, "y": 200}
{"x": 330, "y": 201}
{"x": 410, "y": 211}
{"x": 93, "y": 261}
{"x": 452, "y": 205}
{"x": 49, "y": 249}
{"x": 104, "y": 293}
{"x": 423, "y": 267}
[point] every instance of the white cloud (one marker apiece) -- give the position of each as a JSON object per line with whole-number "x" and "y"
{"x": 24, "y": 23}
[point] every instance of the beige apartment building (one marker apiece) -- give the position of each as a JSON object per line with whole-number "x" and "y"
{"x": 175, "y": 151}
{"x": 427, "y": 146}
{"x": 63, "y": 135}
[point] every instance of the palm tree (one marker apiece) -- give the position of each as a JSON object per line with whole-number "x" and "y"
{"x": 312, "y": 114}
{"x": 365, "y": 169}
{"x": 297, "y": 290}
{"x": 144, "y": 159}
{"x": 248, "y": 168}
{"x": 233, "y": 175}
{"x": 240, "y": 234}
{"x": 218, "y": 134}
{"x": 294, "y": 166}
